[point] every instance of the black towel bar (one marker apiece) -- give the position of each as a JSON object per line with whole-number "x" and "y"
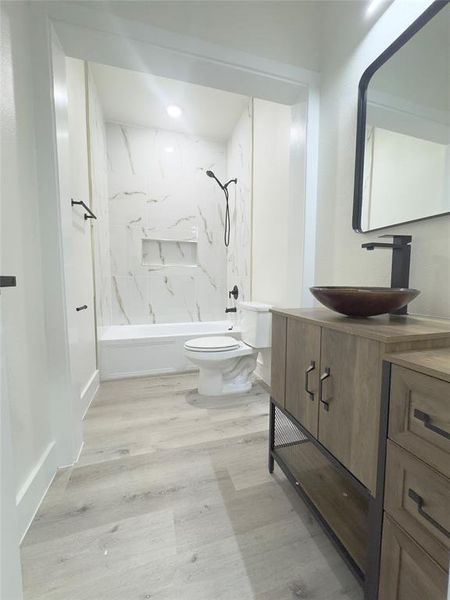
{"x": 90, "y": 214}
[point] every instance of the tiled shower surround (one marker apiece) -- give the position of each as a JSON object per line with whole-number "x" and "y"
{"x": 168, "y": 260}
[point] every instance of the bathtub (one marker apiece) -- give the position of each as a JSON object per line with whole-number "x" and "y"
{"x": 139, "y": 350}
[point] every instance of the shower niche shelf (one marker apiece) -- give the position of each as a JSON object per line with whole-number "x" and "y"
{"x": 169, "y": 253}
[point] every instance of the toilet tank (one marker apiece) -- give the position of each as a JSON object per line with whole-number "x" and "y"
{"x": 256, "y": 324}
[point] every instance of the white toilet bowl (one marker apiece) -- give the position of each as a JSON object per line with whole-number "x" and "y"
{"x": 225, "y": 364}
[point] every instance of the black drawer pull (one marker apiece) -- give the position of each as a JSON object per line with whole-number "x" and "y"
{"x": 78, "y": 308}
{"x": 323, "y": 377}
{"x": 311, "y": 367}
{"x": 419, "y": 501}
{"x": 426, "y": 420}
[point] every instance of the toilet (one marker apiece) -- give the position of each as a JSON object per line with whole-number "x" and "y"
{"x": 226, "y": 363}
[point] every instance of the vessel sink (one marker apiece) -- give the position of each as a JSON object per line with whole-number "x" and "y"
{"x": 363, "y": 301}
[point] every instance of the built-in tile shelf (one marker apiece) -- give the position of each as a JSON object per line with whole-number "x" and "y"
{"x": 169, "y": 253}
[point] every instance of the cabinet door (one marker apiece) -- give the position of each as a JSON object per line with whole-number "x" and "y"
{"x": 302, "y": 373}
{"x": 278, "y": 358}
{"x": 407, "y": 572}
{"x": 350, "y": 402}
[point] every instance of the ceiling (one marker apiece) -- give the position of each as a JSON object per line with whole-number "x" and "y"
{"x": 135, "y": 98}
{"x": 289, "y": 31}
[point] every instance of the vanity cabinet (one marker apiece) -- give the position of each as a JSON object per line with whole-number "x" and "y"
{"x": 331, "y": 386}
{"x": 278, "y": 358}
{"x": 302, "y": 373}
{"x": 350, "y": 402}
{"x": 408, "y": 573}
{"x": 335, "y": 396}
{"x": 416, "y": 529}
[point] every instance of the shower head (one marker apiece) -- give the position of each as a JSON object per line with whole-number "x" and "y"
{"x": 223, "y": 186}
{"x": 211, "y": 174}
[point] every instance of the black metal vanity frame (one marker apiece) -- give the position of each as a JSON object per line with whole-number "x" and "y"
{"x": 370, "y": 580}
{"x": 416, "y": 26}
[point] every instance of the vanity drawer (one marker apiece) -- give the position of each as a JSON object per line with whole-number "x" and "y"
{"x": 419, "y": 416}
{"x": 407, "y": 572}
{"x": 418, "y": 498}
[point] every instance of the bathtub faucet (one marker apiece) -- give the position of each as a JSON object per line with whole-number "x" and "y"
{"x": 227, "y": 310}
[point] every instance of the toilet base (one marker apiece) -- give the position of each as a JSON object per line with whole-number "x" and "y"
{"x": 208, "y": 387}
{"x": 234, "y": 380}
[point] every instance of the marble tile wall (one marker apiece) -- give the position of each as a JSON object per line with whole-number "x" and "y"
{"x": 158, "y": 190}
{"x": 239, "y": 164}
{"x": 100, "y": 206}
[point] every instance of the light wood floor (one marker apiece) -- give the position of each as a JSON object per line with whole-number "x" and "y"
{"x": 171, "y": 500}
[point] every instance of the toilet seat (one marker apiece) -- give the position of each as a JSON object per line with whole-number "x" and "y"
{"x": 212, "y": 344}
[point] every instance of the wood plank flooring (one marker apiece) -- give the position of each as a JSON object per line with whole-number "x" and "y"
{"x": 171, "y": 500}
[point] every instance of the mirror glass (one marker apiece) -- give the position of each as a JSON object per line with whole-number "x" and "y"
{"x": 407, "y": 131}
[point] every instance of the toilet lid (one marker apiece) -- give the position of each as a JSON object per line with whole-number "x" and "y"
{"x": 212, "y": 344}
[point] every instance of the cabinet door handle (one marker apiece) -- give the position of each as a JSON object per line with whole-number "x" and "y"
{"x": 311, "y": 367}
{"x": 78, "y": 308}
{"x": 323, "y": 377}
{"x": 419, "y": 502}
{"x": 426, "y": 420}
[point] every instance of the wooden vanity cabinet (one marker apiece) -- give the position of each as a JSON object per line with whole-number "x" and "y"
{"x": 416, "y": 530}
{"x": 407, "y": 572}
{"x": 302, "y": 373}
{"x": 278, "y": 358}
{"x": 350, "y": 402}
{"x": 338, "y": 409}
{"x": 340, "y": 388}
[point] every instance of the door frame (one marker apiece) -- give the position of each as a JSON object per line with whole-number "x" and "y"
{"x": 71, "y": 30}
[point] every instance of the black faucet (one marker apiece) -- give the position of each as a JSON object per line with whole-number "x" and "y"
{"x": 401, "y": 260}
{"x": 235, "y": 293}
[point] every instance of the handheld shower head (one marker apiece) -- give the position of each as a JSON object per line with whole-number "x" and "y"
{"x": 211, "y": 174}
{"x": 224, "y": 188}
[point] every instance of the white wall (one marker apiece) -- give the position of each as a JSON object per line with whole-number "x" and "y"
{"x": 277, "y": 212}
{"x": 160, "y": 198}
{"x": 10, "y": 571}
{"x": 340, "y": 259}
{"x": 24, "y": 338}
{"x": 278, "y": 208}
{"x": 81, "y": 270}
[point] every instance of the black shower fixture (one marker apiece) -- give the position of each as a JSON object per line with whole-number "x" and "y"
{"x": 224, "y": 188}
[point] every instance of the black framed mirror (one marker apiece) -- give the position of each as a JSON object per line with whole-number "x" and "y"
{"x": 403, "y": 128}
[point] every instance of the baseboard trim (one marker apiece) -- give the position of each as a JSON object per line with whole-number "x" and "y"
{"x": 127, "y": 375}
{"x": 88, "y": 394}
{"x": 131, "y": 374}
{"x": 32, "y": 492}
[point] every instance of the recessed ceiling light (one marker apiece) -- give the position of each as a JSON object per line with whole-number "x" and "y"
{"x": 169, "y": 149}
{"x": 174, "y": 111}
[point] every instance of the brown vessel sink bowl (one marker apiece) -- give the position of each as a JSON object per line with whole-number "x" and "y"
{"x": 363, "y": 301}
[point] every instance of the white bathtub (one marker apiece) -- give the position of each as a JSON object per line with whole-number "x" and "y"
{"x": 138, "y": 350}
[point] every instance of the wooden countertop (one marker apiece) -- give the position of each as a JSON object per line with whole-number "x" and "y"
{"x": 384, "y": 328}
{"x": 430, "y": 362}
